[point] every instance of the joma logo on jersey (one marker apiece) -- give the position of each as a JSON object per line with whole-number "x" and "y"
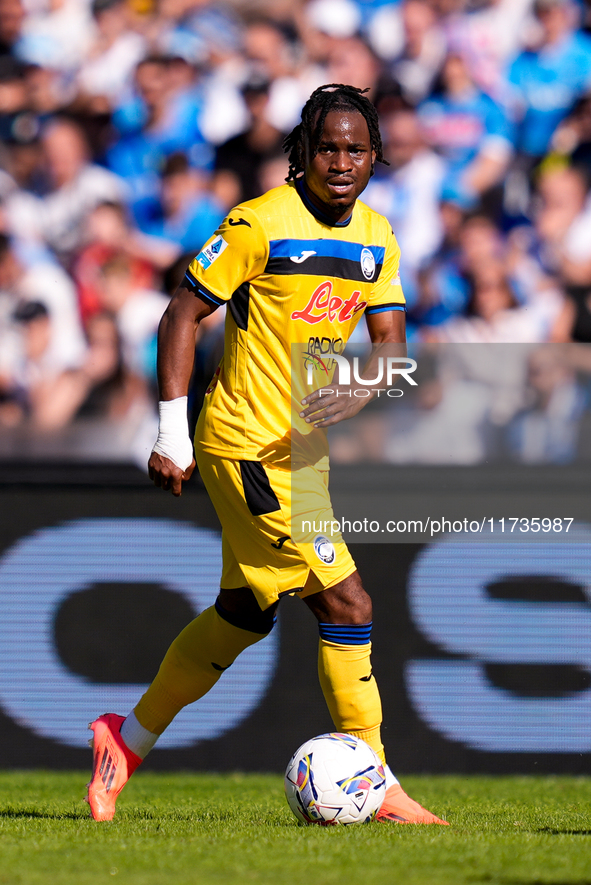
{"x": 298, "y": 259}
{"x": 324, "y": 305}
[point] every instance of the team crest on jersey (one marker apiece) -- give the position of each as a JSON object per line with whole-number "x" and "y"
{"x": 368, "y": 264}
{"x": 209, "y": 253}
{"x": 324, "y": 550}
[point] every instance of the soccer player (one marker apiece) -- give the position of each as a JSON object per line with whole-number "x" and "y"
{"x": 298, "y": 265}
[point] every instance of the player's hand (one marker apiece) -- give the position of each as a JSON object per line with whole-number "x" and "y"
{"x": 165, "y": 474}
{"x": 324, "y": 409}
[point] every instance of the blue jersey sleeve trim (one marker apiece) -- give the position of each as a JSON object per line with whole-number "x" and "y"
{"x": 202, "y": 292}
{"x": 382, "y": 308}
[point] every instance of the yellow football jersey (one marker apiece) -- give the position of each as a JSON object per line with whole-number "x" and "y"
{"x": 296, "y": 286}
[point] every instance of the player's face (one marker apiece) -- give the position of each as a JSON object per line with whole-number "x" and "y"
{"x": 341, "y": 168}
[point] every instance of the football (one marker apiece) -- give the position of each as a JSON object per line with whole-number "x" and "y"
{"x": 335, "y": 779}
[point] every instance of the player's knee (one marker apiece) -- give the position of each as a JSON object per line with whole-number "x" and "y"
{"x": 345, "y": 603}
{"x": 244, "y": 614}
{"x": 350, "y": 608}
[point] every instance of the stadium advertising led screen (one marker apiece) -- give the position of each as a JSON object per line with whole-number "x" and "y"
{"x": 481, "y": 647}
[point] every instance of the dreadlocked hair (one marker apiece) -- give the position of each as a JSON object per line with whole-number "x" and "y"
{"x": 332, "y": 97}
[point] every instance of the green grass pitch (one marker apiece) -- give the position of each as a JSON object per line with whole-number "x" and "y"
{"x": 195, "y": 829}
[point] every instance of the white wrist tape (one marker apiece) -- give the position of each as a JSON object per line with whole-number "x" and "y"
{"x": 173, "y": 432}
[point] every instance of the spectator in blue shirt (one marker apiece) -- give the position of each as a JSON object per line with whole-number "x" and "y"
{"x": 189, "y": 214}
{"x": 164, "y": 118}
{"x": 469, "y": 130}
{"x": 547, "y": 81}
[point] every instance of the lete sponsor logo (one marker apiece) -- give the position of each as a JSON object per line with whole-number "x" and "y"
{"x": 324, "y": 305}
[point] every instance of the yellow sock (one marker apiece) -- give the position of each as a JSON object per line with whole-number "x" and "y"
{"x": 353, "y": 700}
{"x": 191, "y": 667}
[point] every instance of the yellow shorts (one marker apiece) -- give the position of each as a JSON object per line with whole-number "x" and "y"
{"x": 253, "y": 502}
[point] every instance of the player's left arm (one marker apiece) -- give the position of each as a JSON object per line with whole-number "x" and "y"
{"x": 388, "y": 336}
{"x": 388, "y": 327}
{"x": 385, "y": 316}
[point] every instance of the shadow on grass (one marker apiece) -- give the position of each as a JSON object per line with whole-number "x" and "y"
{"x": 24, "y": 813}
{"x": 493, "y": 880}
{"x": 553, "y": 832}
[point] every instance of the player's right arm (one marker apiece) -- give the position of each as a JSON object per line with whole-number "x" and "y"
{"x": 237, "y": 252}
{"x": 172, "y": 460}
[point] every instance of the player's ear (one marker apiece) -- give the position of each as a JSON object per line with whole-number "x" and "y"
{"x": 373, "y": 164}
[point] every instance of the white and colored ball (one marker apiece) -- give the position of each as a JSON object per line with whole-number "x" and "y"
{"x": 335, "y": 779}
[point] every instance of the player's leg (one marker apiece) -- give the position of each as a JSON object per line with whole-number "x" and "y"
{"x": 191, "y": 667}
{"x": 199, "y": 655}
{"x": 209, "y": 644}
{"x": 344, "y": 613}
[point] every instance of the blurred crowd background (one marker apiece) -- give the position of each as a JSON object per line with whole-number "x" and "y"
{"x": 128, "y": 129}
